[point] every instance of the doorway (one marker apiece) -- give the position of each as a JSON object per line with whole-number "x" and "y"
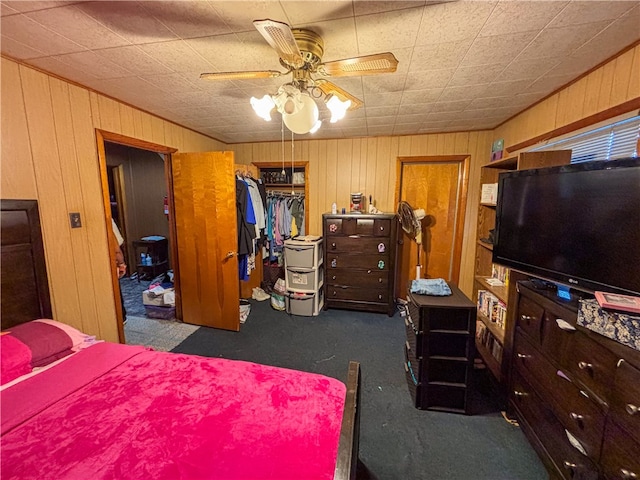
{"x": 438, "y": 185}
{"x": 139, "y": 208}
{"x": 202, "y": 237}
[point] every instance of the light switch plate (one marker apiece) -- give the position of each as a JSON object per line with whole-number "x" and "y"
{"x": 74, "y": 220}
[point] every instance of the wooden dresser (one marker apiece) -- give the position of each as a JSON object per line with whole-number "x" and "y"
{"x": 360, "y": 259}
{"x": 576, "y": 393}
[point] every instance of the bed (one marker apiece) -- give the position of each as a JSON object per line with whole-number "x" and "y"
{"x": 75, "y": 407}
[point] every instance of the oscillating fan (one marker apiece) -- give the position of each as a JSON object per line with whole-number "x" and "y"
{"x": 410, "y": 220}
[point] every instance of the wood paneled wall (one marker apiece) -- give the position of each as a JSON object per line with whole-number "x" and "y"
{"x": 49, "y": 153}
{"x": 368, "y": 165}
{"x": 614, "y": 83}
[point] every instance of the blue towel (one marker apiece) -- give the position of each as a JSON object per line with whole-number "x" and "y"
{"x": 430, "y": 286}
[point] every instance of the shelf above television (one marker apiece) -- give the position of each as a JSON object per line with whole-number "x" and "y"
{"x": 509, "y": 163}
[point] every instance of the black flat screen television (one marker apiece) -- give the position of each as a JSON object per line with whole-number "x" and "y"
{"x": 577, "y": 225}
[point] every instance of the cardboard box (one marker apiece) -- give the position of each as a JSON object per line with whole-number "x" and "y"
{"x": 160, "y": 297}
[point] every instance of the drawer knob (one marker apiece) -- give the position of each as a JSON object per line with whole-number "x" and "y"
{"x": 576, "y": 417}
{"x": 379, "y": 280}
{"x": 520, "y": 394}
{"x": 379, "y": 297}
{"x": 333, "y": 245}
{"x": 570, "y": 466}
{"x": 526, "y": 318}
{"x": 382, "y": 229}
{"x": 523, "y": 356}
{"x": 335, "y": 293}
{"x": 632, "y": 409}
{"x": 585, "y": 366}
{"x": 333, "y": 277}
{"x": 627, "y": 474}
{"x": 368, "y": 271}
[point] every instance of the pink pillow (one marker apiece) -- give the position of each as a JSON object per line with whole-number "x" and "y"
{"x": 15, "y": 359}
{"x": 49, "y": 340}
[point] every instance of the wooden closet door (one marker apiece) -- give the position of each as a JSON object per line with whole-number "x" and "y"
{"x": 204, "y": 195}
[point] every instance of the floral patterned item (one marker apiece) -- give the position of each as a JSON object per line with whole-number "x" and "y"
{"x": 618, "y": 326}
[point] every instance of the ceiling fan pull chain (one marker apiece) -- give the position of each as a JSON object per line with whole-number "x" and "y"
{"x": 282, "y": 133}
{"x": 292, "y": 192}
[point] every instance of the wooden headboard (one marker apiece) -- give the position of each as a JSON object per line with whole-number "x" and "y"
{"x": 23, "y": 271}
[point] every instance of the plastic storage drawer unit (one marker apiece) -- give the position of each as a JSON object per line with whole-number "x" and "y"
{"x": 305, "y": 304}
{"x": 303, "y": 253}
{"x": 307, "y": 280}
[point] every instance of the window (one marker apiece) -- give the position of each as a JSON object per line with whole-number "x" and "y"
{"x": 616, "y": 140}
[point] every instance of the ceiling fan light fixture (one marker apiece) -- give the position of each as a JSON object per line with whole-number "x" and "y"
{"x": 337, "y": 107}
{"x": 263, "y": 107}
{"x": 316, "y": 127}
{"x": 288, "y": 99}
{"x": 305, "y": 119}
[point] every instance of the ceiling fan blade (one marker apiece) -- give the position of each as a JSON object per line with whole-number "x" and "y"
{"x": 365, "y": 65}
{"x": 240, "y": 75}
{"x": 280, "y": 37}
{"x": 329, "y": 88}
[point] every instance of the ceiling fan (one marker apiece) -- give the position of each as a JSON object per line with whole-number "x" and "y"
{"x": 300, "y": 51}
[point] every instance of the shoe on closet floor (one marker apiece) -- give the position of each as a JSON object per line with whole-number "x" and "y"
{"x": 260, "y": 295}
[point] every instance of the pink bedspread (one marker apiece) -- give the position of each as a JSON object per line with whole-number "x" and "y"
{"x": 116, "y": 411}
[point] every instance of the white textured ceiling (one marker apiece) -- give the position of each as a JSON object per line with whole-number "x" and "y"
{"x": 462, "y": 65}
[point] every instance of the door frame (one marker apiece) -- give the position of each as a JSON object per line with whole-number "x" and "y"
{"x": 463, "y": 184}
{"x": 103, "y": 136}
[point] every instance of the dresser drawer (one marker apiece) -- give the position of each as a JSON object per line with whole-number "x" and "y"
{"x": 620, "y": 458}
{"x": 530, "y": 318}
{"x": 569, "y": 463}
{"x": 357, "y": 294}
{"x": 625, "y": 405}
{"x": 531, "y": 363}
{"x": 358, "y": 244}
{"x": 371, "y": 262}
{"x": 582, "y": 416}
{"x": 355, "y": 225}
{"x": 591, "y": 363}
{"x": 359, "y": 278}
{"x": 548, "y": 326}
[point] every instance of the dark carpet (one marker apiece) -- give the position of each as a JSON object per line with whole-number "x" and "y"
{"x": 132, "y": 295}
{"x": 397, "y": 441}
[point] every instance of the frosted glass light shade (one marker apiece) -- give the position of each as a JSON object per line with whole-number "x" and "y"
{"x": 263, "y": 107}
{"x": 337, "y": 108}
{"x": 305, "y": 119}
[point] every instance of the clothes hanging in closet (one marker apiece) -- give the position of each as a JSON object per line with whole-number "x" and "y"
{"x": 285, "y": 219}
{"x": 251, "y": 221}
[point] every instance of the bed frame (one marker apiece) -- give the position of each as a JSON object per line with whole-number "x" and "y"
{"x": 25, "y": 297}
{"x": 25, "y": 287}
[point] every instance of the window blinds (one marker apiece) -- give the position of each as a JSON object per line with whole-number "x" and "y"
{"x": 619, "y": 139}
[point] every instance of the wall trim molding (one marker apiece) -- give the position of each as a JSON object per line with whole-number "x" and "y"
{"x": 621, "y": 109}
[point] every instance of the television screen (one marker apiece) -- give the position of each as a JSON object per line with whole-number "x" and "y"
{"x": 576, "y": 224}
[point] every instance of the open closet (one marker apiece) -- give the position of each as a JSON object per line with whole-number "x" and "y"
{"x": 287, "y": 210}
